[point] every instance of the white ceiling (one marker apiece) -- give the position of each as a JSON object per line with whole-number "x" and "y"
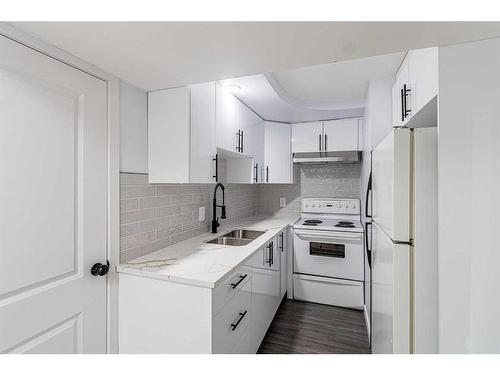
{"x": 258, "y": 94}
{"x": 154, "y": 55}
{"x": 329, "y": 85}
{"x": 319, "y": 92}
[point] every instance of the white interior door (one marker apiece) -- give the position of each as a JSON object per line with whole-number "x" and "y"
{"x": 53, "y": 183}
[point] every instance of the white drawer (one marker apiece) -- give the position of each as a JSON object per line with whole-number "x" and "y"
{"x": 230, "y": 323}
{"x": 336, "y": 292}
{"x": 229, "y": 287}
{"x": 243, "y": 346}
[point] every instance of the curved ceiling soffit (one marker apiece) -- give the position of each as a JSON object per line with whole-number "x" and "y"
{"x": 310, "y": 104}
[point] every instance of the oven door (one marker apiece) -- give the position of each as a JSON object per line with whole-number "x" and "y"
{"x": 328, "y": 253}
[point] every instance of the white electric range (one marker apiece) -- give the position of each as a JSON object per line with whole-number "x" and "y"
{"x": 328, "y": 264}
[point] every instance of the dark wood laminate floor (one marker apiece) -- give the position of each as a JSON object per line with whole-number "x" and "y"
{"x": 310, "y": 328}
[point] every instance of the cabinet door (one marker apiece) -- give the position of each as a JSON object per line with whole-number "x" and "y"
{"x": 282, "y": 250}
{"x": 278, "y": 155}
{"x": 247, "y": 120}
{"x": 423, "y": 76}
{"x": 265, "y": 302}
{"x": 341, "y": 135}
{"x": 307, "y": 137}
{"x": 226, "y": 119}
{"x": 258, "y": 151}
{"x": 169, "y": 135}
{"x": 402, "y": 78}
{"x": 203, "y": 147}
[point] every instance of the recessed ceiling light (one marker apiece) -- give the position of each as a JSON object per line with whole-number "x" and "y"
{"x": 232, "y": 88}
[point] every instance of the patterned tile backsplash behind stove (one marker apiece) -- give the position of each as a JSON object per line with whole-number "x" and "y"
{"x": 154, "y": 216}
{"x": 311, "y": 181}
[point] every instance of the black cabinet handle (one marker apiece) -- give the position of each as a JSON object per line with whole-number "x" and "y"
{"x": 234, "y": 325}
{"x": 368, "y": 189}
{"x": 402, "y": 105}
{"x": 270, "y": 259}
{"x": 326, "y": 143}
{"x": 319, "y": 142}
{"x": 238, "y": 138}
{"x": 234, "y": 285}
{"x": 241, "y": 145}
{"x": 406, "y": 110}
{"x": 267, "y": 174}
{"x": 216, "y": 159}
{"x": 256, "y": 177}
{"x": 368, "y": 250}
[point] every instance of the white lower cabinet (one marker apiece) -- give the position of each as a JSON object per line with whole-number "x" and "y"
{"x": 158, "y": 316}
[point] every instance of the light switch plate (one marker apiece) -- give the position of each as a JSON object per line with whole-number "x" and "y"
{"x": 201, "y": 214}
{"x": 283, "y": 202}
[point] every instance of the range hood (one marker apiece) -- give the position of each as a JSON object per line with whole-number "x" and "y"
{"x": 327, "y": 157}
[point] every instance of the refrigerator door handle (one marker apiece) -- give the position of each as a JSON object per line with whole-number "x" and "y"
{"x": 368, "y": 190}
{"x": 368, "y": 250}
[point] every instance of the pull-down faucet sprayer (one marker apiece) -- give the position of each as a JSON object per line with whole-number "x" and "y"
{"x": 215, "y": 219}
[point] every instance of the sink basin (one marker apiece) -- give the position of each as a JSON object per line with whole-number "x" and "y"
{"x": 245, "y": 234}
{"x": 230, "y": 241}
{"x": 238, "y": 237}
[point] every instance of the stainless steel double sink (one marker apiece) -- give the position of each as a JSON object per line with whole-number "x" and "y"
{"x": 238, "y": 237}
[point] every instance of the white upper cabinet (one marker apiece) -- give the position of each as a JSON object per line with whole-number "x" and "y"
{"x": 423, "y": 76}
{"x": 181, "y": 134}
{"x": 341, "y": 135}
{"x": 278, "y": 155}
{"x": 226, "y": 117}
{"x": 202, "y": 133}
{"x": 400, "y": 95}
{"x": 307, "y": 137}
{"x": 333, "y": 135}
{"x": 258, "y": 151}
{"x": 416, "y": 84}
{"x": 247, "y": 121}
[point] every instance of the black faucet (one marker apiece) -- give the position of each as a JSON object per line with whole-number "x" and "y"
{"x": 215, "y": 219}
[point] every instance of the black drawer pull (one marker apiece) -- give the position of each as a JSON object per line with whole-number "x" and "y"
{"x": 234, "y": 325}
{"x": 234, "y": 285}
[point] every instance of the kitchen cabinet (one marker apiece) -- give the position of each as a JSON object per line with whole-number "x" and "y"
{"x": 332, "y": 135}
{"x": 282, "y": 247}
{"x": 247, "y": 121}
{"x": 341, "y": 135}
{"x": 307, "y": 137}
{"x": 226, "y": 118}
{"x": 160, "y": 316}
{"x": 415, "y": 85}
{"x": 266, "y": 297}
{"x": 234, "y": 123}
{"x": 277, "y": 154}
{"x": 258, "y": 151}
{"x": 181, "y": 134}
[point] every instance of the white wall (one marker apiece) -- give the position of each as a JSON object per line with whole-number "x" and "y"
{"x": 133, "y": 129}
{"x": 376, "y": 125}
{"x": 469, "y": 197}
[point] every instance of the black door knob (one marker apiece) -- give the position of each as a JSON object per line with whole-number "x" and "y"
{"x": 100, "y": 269}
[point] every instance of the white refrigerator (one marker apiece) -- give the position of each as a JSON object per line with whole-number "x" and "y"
{"x": 402, "y": 242}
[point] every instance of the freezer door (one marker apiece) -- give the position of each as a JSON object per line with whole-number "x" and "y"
{"x": 391, "y": 167}
{"x": 390, "y": 308}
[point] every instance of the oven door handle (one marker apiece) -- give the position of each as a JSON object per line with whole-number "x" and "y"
{"x": 313, "y": 235}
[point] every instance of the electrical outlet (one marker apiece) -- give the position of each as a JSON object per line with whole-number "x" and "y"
{"x": 201, "y": 214}
{"x": 283, "y": 202}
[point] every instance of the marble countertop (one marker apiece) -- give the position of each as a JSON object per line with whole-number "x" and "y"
{"x": 198, "y": 263}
